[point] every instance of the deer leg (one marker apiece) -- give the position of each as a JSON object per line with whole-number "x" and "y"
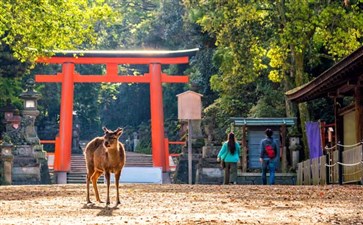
{"x": 107, "y": 176}
{"x": 117, "y": 179}
{"x": 87, "y": 182}
{"x": 95, "y": 176}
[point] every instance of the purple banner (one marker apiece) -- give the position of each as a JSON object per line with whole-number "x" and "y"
{"x": 314, "y": 139}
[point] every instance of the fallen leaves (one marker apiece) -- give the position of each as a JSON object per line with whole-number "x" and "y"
{"x": 184, "y": 204}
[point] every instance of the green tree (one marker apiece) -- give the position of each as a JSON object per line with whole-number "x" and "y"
{"x": 30, "y": 28}
{"x": 283, "y": 37}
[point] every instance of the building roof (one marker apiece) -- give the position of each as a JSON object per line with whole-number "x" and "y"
{"x": 240, "y": 121}
{"x": 127, "y": 53}
{"x": 338, "y": 79}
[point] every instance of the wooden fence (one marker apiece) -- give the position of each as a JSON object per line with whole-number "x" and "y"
{"x": 325, "y": 169}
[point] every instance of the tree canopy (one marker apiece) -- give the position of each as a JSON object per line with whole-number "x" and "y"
{"x": 284, "y": 40}
{"x": 29, "y": 28}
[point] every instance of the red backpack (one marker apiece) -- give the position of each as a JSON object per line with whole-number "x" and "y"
{"x": 270, "y": 151}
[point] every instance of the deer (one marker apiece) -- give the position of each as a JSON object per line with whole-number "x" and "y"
{"x": 106, "y": 155}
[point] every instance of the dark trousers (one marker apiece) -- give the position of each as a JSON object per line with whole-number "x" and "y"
{"x": 230, "y": 173}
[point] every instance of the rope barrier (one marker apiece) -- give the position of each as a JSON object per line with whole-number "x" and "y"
{"x": 327, "y": 148}
{"x": 351, "y": 164}
{"x": 343, "y": 164}
{"x": 345, "y": 146}
{"x": 350, "y": 146}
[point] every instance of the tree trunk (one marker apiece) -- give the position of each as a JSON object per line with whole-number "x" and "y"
{"x": 300, "y": 79}
{"x": 290, "y": 108}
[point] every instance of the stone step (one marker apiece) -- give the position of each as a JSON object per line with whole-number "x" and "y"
{"x": 138, "y": 165}
{"x": 80, "y": 178}
{"x": 78, "y": 166}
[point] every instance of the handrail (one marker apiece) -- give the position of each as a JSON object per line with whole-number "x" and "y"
{"x": 47, "y": 141}
{"x": 177, "y": 142}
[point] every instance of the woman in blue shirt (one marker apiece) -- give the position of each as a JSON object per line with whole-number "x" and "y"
{"x": 229, "y": 153}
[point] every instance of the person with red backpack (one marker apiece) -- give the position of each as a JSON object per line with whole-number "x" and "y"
{"x": 268, "y": 156}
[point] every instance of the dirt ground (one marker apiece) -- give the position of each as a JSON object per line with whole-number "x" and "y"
{"x": 183, "y": 204}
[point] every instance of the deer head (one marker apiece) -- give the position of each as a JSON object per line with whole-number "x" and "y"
{"x": 111, "y": 137}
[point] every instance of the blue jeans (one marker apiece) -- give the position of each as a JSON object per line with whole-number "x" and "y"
{"x": 271, "y": 166}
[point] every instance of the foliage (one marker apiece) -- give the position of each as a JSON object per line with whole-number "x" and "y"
{"x": 322, "y": 109}
{"x": 270, "y": 100}
{"x": 201, "y": 70}
{"x": 144, "y": 145}
{"x": 145, "y": 24}
{"x": 10, "y": 88}
{"x": 30, "y": 28}
{"x": 279, "y": 38}
{"x": 215, "y": 122}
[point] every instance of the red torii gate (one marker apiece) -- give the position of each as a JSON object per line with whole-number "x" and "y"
{"x": 112, "y": 59}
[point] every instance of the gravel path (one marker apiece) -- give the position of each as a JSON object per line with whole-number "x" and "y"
{"x": 183, "y": 204}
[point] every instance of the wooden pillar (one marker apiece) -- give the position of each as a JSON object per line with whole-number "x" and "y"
{"x": 283, "y": 149}
{"x": 339, "y": 135}
{"x": 62, "y": 156}
{"x": 157, "y": 116}
{"x": 167, "y": 155}
{"x": 338, "y": 102}
{"x": 245, "y": 149}
{"x": 359, "y": 113}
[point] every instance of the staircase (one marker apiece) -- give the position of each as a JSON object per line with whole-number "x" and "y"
{"x": 78, "y": 172}
{"x": 138, "y": 160}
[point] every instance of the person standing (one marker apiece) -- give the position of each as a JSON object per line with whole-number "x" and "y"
{"x": 268, "y": 156}
{"x": 229, "y": 153}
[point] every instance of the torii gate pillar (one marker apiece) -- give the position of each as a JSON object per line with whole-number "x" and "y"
{"x": 63, "y": 164}
{"x": 157, "y": 116}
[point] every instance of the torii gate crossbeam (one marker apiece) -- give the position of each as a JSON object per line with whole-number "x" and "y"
{"x": 112, "y": 59}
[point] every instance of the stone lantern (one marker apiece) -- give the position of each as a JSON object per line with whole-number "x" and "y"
{"x": 30, "y": 112}
{"x": 295, "y": 148}
{"x": 15, "y": 120}
{"x": 30, "y": 98}
{"x": 8, "y": 111}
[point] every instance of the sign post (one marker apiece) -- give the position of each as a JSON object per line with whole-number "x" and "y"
{"x": 189, "y": 108}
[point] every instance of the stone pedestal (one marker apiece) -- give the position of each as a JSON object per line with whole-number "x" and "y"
{"x": 210, "y": 151}
{"x": 61, "y": 177}
{"x": 181, "y": 172}
{"x": 8, "y": 164}
{"x": 27, "y": 166}
{"x": 295, "y": 158}
{"x": 6, "y": 159}
{"x": 209, "y": 170}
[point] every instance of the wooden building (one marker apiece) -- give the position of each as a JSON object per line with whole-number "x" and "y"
{"x": 343, "y": 82}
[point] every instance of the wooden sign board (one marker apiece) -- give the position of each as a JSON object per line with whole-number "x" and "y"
{"x": 189, "y": 106}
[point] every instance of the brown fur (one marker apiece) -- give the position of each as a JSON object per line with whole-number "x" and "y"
{"x": 105, "y": 155}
